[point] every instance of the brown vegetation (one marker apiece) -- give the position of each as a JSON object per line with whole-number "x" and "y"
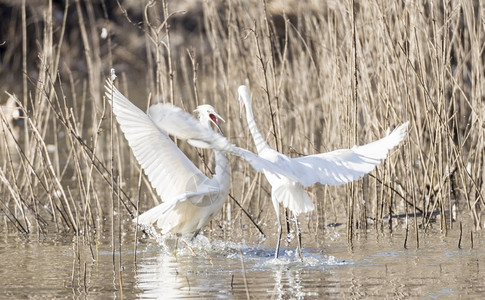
{"x": 322, "y": 76}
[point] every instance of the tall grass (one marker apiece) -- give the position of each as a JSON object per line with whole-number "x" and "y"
{"x": 322, "y": 77}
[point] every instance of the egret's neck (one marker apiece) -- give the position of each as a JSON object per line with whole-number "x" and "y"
{"x": 257, "y": 137}
{"x": 222, "y": 171}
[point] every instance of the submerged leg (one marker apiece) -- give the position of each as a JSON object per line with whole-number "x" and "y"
{"x": 277, "y": 251}
{"x": 298, "y": 232}
{"x": 277, "y": 210}
{"x": 176, "y": 246}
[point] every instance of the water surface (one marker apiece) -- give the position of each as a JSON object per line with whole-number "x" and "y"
{"x": 375, "y": 266}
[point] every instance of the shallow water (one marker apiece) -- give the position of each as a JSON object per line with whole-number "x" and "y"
{"x": 376, "y": 266}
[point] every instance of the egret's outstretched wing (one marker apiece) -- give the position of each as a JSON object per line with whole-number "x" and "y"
{"x": 181, "y": 124}
{"x": 345, "y": 165}
{"x": 170, "y": 172}
{"x": 175, "y": 121}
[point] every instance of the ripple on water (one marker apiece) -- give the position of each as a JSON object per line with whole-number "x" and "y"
{"x": 218, "y": 268}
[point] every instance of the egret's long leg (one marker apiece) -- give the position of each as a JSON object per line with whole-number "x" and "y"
{"x": 277, "y": 210}
{"x": 277, "y": 251}
{"x": 298, "y": 232}
{"x": 288, "y": 229}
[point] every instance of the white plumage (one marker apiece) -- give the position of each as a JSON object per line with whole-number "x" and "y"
{"x": 190, "y": 199}
{"x": 332, "y": 168}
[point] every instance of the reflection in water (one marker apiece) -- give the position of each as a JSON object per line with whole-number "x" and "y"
{"x": 159, "y": 275}
{"x": 293, "y": 286}
{"x": 202, "y": 270}
{"x": 372, "y": 268}
{"x": 376, "y": 267}
{"x": 215, "y": 269}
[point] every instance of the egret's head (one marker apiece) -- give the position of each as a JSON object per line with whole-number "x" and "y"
{"x": 207, "y": 115}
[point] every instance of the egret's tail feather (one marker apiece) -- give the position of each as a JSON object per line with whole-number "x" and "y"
{"x": 294, "y": 197}
{"x": 153, "y": 215}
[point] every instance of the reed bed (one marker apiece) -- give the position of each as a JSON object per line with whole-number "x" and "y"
{"x": 322, "y": 76}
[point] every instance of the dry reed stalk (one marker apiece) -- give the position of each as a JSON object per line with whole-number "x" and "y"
{"x": 169, "y": 50}
{"x": 323, "y": 78}
{"x": 24, "y": 67}
{"x": 90, "y": 56}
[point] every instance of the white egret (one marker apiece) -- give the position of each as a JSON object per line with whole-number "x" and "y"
{"x": 190, "y": 199}
{"x": 332, "y": 168}
{"x": 200, "y": 199}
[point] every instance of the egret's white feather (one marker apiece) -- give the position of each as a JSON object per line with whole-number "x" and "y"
{"x": 181, "y": 124}
{"x": 190, "y": 198}
{"x": 165, "y": 165}
{"x": 346, "y": 165}
{"x": 288, "y": 192}
{"x": 332, "y": 168}
{"x": 177, "y": 216}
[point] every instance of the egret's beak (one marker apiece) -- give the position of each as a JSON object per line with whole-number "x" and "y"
{"x": 213, "y": 117}
{"x": 219, "y": 117}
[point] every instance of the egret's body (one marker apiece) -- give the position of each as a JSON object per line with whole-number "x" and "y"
{"x": 332, "y": 168}
{"x": 193, "y": 209}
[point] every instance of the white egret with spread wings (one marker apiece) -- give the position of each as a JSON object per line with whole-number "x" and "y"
{"x": 332, "y": 168}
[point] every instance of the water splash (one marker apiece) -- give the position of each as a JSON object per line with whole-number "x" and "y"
{"x": 256, "y": 256}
